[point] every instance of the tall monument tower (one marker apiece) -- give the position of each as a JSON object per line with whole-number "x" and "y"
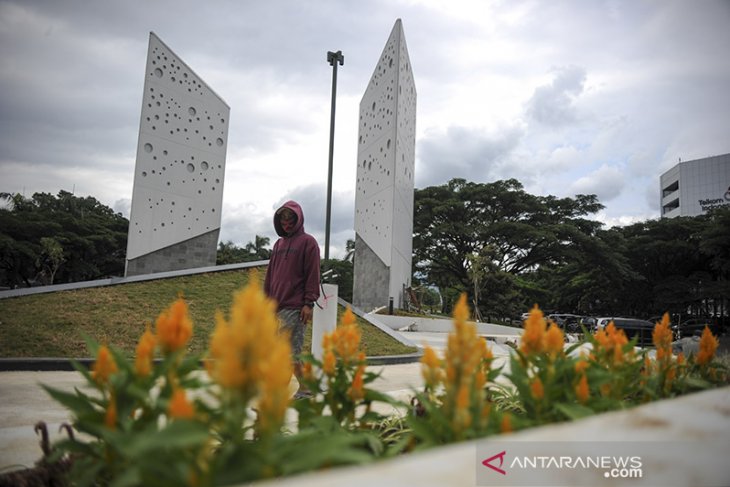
{"x": 178, "y": 178}
{"x": 384, "y": 190}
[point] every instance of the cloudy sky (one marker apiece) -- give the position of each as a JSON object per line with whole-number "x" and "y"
{"x": 566, "y": 96}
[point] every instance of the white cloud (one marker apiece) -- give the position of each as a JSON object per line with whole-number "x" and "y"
{"x": 607, "y": 182}
{"x": 554, "y": 104}
{"x": 567, "y": 97}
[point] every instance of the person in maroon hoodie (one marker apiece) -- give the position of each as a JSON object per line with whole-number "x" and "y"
{"x": 292, "y": 278}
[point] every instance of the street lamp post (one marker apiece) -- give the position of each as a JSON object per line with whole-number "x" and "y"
{"x": 334, "y": 58}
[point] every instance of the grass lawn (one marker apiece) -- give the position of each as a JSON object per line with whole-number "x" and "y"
{"x": 53, "y": 324}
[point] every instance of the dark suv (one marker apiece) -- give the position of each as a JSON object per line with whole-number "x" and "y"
{"x": 632, "y": 327}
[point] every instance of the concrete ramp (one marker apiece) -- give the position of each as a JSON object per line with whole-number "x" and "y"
{"x": 375, "y": 321}
{"x": 441, "y": 325}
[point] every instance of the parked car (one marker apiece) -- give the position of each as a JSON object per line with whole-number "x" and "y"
{"x": 695, "y": 327}
{"x": 632, "y": 327}
{"x": 568, "y": 322}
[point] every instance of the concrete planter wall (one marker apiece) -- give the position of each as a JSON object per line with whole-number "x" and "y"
{"x": 688, "y": 442}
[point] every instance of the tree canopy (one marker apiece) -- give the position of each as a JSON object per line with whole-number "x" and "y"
{"x": 509, "y": 249}
{"x": 230, "y": 253}
{"x": 64, "y": 238}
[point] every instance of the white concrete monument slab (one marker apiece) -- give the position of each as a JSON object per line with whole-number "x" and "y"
{"x": 384, "y": 189}
{"x": 178, "y": 179}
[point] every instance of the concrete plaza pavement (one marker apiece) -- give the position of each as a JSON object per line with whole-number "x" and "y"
{"x": 24, "y": 402}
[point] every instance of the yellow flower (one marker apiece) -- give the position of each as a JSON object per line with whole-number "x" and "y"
{"x": 110, "y": 417}
{"x": 462, "y": 416}
{"x": 274, "y": 386}
{"x": 662, "y": 338}
{"x": 224, "y": 364}
{"x": 242, "y": 348}
{"x": 346, "y": 338}
{"x": 104, "y": 366}
{"x": 554, "y": 340}
{"x": 708, "y": 346}
{"x": 536, "y": 389}
{"x": 463, "y": 371}
{"x": 174, "y": 327}
{"x": 342, "y": 343}
{"x": 581, "y": 390}
{"x": 461, "y": 310}
{"x": 431, "y": 367}
{"x": 180, "y": 407}
{"x": 145, "y": 353}
{"x": 462, "y": 398}
{"x": 533, "y": 338}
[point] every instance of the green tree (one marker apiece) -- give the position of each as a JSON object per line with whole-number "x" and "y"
{"x": 521, "y": 232}
{"x": 258, "y": 248}
{"x": 51, "y": 258}
{"x": 230, "y": 253}
{"x": 92, "y": 236}
{"x": 342, "y": 275}
{"x": 666, "y": 254}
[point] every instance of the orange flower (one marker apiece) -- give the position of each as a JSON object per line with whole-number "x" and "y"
{"x": 537, "y": 389}
{"x": 356, "y": 391}
{"x": 662, "y": 338}
{"x": 307, "y": 372}
{"x": 680, "y": 359}
{"x": 174, "y": 327}
{"x": 145, "y": 352}
{"x": 708, "y": 346}
{"x": 581, "y": 390}
{"x": 329, "y": 361}
{"x": 506, "y": 424}
{"x": 611, "y": 342}
{"x": 554, "y": 340}
{"x": 533, "y": 338}
{"x": 581, "y": 366}
{"x": 104, "y": 366}
{"x": 180, "y": 407}
{"x": 110, "y": 417}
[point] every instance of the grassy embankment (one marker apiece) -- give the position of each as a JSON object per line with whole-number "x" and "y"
{"x": 53, "y": 325}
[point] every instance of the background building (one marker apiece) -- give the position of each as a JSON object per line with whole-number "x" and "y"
{"x": 178, "y": 177}
{"x": 692, "y": 188}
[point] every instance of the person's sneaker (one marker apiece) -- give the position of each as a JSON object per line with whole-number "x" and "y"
{"x": 302, "y": 394}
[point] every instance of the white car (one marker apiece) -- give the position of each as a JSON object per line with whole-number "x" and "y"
{"x": 601, "y": 323}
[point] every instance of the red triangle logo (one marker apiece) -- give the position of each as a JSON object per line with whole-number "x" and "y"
{"x": 488, "y": 462}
